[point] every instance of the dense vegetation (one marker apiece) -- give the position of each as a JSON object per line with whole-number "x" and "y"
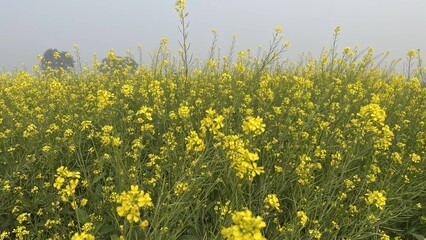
{"x": 329, "y": 148}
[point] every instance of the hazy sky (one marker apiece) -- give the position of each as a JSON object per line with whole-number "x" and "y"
{"x": 29, "y": 27}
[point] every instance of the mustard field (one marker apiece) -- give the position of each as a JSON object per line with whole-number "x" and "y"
{"x": 241, "y": 147}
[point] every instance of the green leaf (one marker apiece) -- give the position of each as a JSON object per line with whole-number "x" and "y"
{"x": 106, "y": 229}
{"x": 98, "y": 178}
{"x": 115, "y": 237}
{"x": 82, "y": 215}
{"x": 418, "y": 236}
{"x": 188, "y": 237}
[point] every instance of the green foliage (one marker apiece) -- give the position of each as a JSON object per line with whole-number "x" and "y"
{"x": 54, "y": 60}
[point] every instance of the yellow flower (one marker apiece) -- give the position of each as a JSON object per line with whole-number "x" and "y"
{"x": 131, "y": 201}
{"x": 253, "y": 125}
{"x": 164, "y": 41}
{"x": 20, "y": 232}
{"x": 412, "y": 53}
{"x": 58, "y": 182}
{"x": 83, "y": 236}
{"x": 23, "y": 217}
{"x": 245, "y": 227}
{"x": 184, "y": 112}
{"x": 180, "y": 188}
{"x": 415, "y": 158}
{"x": 337, "y": 29}
{"x": 303, "y": 218}
{"x": 278, "y": 29}
{"x": 315, "y": 233}
{"x": 83, "y": 201}
{"x": 127, "y": 90}
{"x": 194, "y": 142}
{"x": 180, "y": 5}
{"x": 272, "y": 201}
{"x": 144, "y": 224}
{"x": 377, "y": 198}
{"x": 347, "y": 51}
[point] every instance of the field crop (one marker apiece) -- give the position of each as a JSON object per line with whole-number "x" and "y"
{"x": 256, "y": 148}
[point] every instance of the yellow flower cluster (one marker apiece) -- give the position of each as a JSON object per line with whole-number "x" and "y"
{"x": 372, "y": 120}
{"x": 373, "y": 115}
{"x": 306, "y": 168}
{"x": 144, "y": 117}
{"x": 271, "y": 201}
{"x": 303, "y": 218}
{"x": 253, "y": 125}
{"x": 213, "y": 122}
{"x": 194, "y": 142}
{"x": 180, "y": 5}
{"x": 83, "y": 236}
{"x": 377, "y": 198}
{"x": 131, "y": 201}
{"x": 107, "y": 138}
{"x": 66, "y": 182}
{"x": 223, "y": 209}
{"x": 127, "y": 90}
{"x": 180, "y": 188}
{"x": 105, "y": 99}
{"x": 245, "y": 227}
{"x": 244, "y": 161}
{"x": 184, "y": 112}
{"x": 30, "y": 131}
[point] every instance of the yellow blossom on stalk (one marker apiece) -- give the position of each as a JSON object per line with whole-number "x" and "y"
{"x": 180, "y": 5}
{"x": 305, "y": 169}
{"x": 194, "y": 142}
{"x": 279, "y": 29}
{"x": 372, "y": 119}
{"x": 127, "y": 90}
{"x": 415, "y": 158}
{"x": 337, "y": 29}
{"x": 271, "y": 201}
{"x": 223, "y": 209}
{"x": 83, "y": 201}
{"x": 23, "y": 217}
{"x": 372, "y": 218}
{"x": 69, "y": 179}
{"x": 20, "y": 232}
{"x": 164, "y": 41}
{"x": 412, "y": 53}
{"x": 144, "y": 224}
{"x": 212, "y": 123}
{"x": 4, "y": 235}
{"x": 180, "y": 188}
{"x": 377, "y": 198}
{"x": 131, "y": 201}
{"x": 56, "y": 55}
{"x": 372, "y": 113}
{"x": 245, "y": 227}
{"x": 347, "y": 51}
{"x": 253, "y": 125}
{"x": 303, "y": 218}
{"x": 105, "y": 99}
{"x": 243, "y": 161}
{"x": 278, "y": 169}
{"x": 83, "y": 236}
{"x": 184, "y": 112}
{"x": 30, "y": 131}
{"x": 315, "y": 233}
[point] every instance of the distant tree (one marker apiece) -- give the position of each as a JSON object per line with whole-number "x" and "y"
{"x": 55, "y": 60}
{"x": 118, "y": 63}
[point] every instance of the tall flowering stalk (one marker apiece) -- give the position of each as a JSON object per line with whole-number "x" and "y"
{"x": 180, "y": 7}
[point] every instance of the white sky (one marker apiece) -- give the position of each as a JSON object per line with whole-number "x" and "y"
{"x": 29, "y": 27}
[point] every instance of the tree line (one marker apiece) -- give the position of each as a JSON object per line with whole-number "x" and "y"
{"x": 53, "y": 59}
